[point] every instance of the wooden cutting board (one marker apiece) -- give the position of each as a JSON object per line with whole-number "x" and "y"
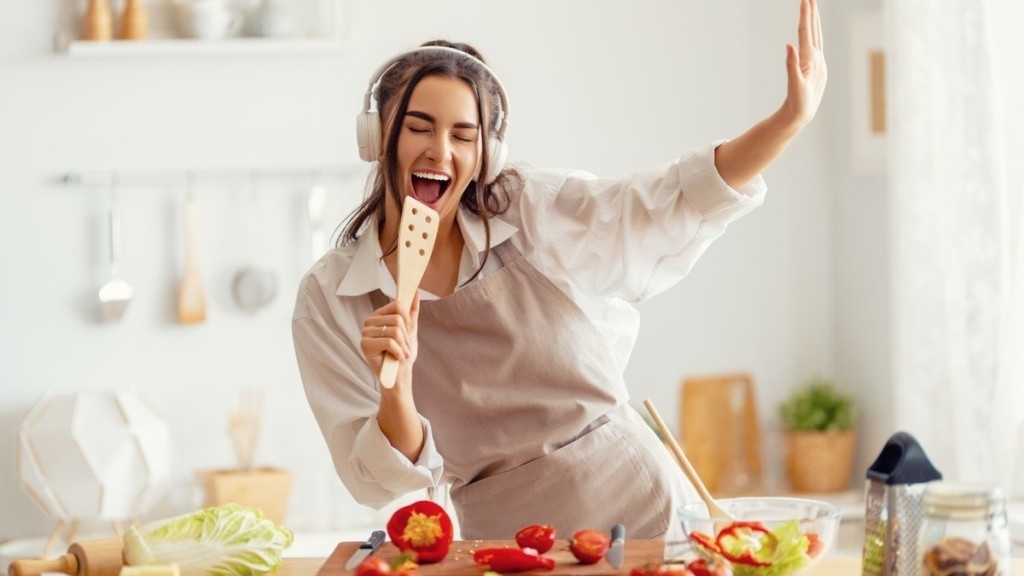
{"x": 460, "y": 559}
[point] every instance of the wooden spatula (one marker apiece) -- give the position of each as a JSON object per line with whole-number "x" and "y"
{"x": 416, "y": 235}
{"x": 191, "y": 302}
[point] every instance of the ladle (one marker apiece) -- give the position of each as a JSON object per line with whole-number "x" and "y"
{"x": 714, "y": 509}
{"x": 116, "y": 293}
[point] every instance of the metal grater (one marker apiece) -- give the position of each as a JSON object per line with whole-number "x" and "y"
{"x": 895, "y": 488}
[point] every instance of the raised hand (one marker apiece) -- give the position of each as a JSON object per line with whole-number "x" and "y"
{"x": 806, "y": 68}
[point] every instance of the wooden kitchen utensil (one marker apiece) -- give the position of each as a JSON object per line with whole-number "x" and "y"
{"x": 98, "y": 21}
{"x": 459, "y": 561}
{"x": 87, "y": 558}
{"x": 714, "y": 509}
{"x": 719, "y": 429}
{"x": 134, "y": 21}
{"x": 416, "y": 234}
{"x": 191, "y": 303}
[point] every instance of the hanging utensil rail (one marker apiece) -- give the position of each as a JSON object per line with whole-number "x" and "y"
{"x": 137, "y": 178}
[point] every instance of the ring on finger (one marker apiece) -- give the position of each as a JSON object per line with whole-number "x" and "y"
{"x": 383, "y": 330}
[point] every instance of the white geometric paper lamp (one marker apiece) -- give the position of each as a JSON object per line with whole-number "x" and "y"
{"x": 93, "y": 456}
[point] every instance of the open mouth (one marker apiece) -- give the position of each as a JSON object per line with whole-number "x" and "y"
{"x": 429, "y": 187}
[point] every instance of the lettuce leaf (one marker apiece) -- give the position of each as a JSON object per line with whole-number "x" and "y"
{"x": 226, "y": 540}
{"x": 788, "y": 556}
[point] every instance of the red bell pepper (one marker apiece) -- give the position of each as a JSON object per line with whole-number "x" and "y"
{"x": 423, "y": 528}
{"x": 746, "y": 534}
{"x": 705, "y": 541}
{"x": 512, "y": 559}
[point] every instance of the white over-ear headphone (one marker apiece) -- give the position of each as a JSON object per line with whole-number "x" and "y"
{"x": 369, "y": 131}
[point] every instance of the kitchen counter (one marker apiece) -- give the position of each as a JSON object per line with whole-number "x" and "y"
{"x": 637, "y": 551}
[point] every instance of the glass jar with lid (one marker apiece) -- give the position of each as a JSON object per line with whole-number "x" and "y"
{"x": 964, "y": 531}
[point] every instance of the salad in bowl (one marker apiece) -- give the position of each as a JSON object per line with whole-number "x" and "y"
{"x": 765, "y": 536}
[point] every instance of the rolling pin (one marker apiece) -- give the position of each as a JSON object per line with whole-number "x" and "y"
{"x": 89, "y": 558}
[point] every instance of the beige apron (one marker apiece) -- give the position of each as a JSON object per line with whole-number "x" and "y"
{"x": 533, "y": 424}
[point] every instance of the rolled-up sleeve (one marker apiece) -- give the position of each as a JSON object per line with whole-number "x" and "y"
{"x": 342, "y": 393}
{"x": 634, "y": 237}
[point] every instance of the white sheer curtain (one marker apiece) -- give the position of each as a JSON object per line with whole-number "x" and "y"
{"x": 955, "y": 162}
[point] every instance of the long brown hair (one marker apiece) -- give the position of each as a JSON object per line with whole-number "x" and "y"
{"x": 392, "y": 98}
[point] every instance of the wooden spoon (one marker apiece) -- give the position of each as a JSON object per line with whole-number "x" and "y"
{"x": 684, "y": 463}
{"x": 416, "y": 234}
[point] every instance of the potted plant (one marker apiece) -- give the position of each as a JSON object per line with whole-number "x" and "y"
{"x": 818, "y": 420}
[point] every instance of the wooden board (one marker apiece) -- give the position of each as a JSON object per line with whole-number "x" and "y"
{"x": 722, "y": 445}
{"x": 460, "y": 559}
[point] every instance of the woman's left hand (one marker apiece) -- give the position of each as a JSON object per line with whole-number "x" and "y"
{"x": 806, "y": 68}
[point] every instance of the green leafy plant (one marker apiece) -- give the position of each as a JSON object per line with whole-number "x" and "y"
{"x": 818, "y": 406}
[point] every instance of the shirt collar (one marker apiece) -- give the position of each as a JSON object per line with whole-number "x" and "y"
{"x": 367, "y": 271}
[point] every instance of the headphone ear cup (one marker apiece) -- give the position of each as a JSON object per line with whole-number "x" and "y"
{"x": 496, "y": 156}
{"x": 368, "y": 135}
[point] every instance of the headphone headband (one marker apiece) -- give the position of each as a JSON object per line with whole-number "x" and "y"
{"x": 369, "y": 127}
{"x": 378, "y": 75}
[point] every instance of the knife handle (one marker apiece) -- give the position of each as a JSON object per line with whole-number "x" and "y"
{"x": 618, "y": 532}
{"x": 375, "y": 540}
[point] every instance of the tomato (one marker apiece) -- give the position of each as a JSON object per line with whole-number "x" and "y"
{"x": 540, "y": 537}
{"x": 512, "y": 559}
{"x": 424, "y": 528}
{"x": 701, "y": 567}
{"x": 814, "y": 544}
{"x": 589, "y": 546}
{"x": 377, "y": 566}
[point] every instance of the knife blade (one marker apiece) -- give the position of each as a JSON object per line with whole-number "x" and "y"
{"x": 616, "y": 551}
{"x": 366, "y": 548}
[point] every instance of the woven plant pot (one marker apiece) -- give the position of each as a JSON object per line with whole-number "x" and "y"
{"x": 820, "y": 461}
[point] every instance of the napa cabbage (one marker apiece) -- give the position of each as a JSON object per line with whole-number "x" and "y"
{"x": 225, "y": 540}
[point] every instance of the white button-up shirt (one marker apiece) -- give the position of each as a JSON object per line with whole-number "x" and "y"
{"x": 607, "y": 243}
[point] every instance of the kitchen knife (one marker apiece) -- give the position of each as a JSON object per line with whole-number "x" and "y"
{"x": 617, "y": 551}
{"x": 365, "y": 549}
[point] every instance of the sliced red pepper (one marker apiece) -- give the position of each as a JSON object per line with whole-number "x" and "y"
{"x": 424, "y": 528}
{"x": 512, "y": 559}
{"x": 705, "y": 541}
{"x": 744, "y": 531}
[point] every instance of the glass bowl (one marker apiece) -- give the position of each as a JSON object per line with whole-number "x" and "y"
{"x": 767, "y": 536}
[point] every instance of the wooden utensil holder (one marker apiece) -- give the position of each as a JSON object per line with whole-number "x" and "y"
{"x": 264, "y": 488}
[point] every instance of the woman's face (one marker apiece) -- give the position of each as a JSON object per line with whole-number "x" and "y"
{"x": 439, "y": 144}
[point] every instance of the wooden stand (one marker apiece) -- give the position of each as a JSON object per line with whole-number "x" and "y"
{"x": 263, "y": 488}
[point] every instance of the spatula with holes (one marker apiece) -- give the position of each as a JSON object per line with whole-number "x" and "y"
{"x": 416, "y": 234}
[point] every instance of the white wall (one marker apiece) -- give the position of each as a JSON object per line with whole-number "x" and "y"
{"x": 602, "y": 85}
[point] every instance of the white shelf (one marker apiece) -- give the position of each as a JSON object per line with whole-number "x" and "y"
{"x": 189, "y": 47}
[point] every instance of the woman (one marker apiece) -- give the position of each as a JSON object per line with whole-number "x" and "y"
{"x": 510, "y": 381}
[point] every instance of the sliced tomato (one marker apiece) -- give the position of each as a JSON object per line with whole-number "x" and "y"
{"x": 540, "y": 537}
{"x": 589, "y": 546}
{"x": 814, "y": 544}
